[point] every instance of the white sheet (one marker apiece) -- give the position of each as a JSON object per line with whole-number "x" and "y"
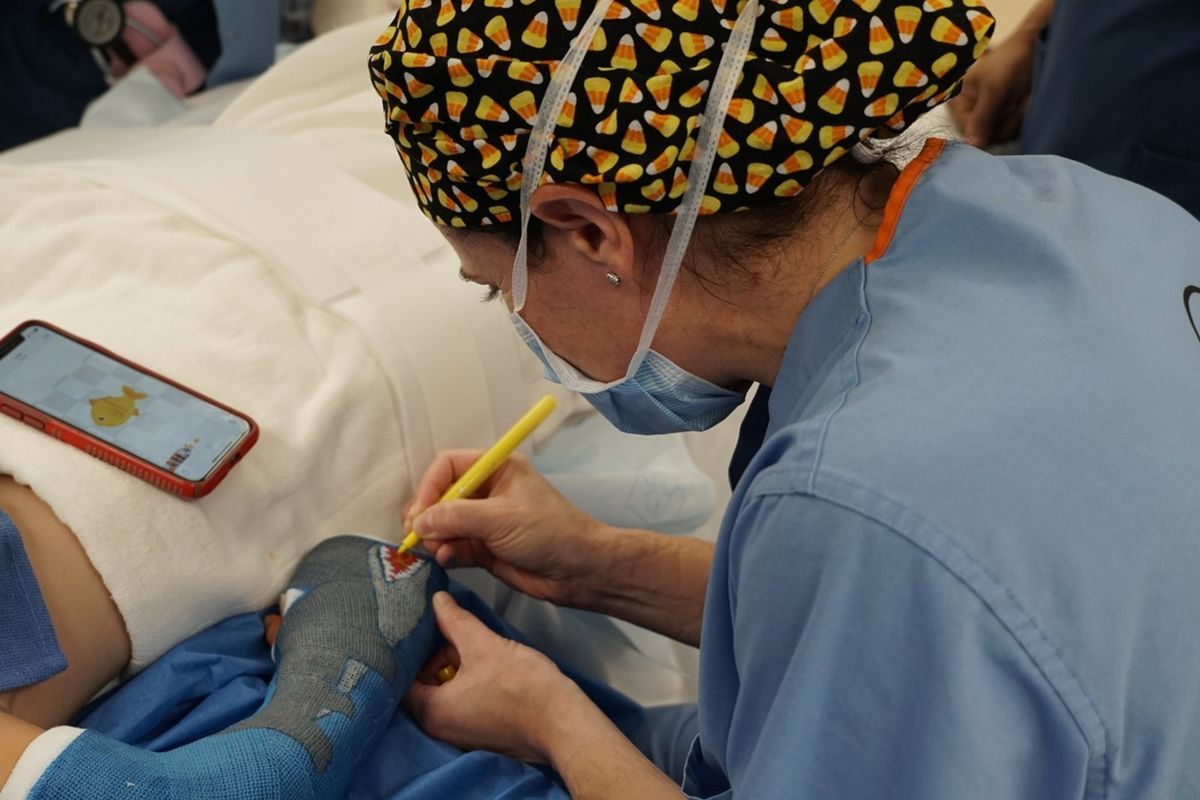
{"x": 281, "y": 287}
{"x": 289, "y": 225}
{"x": 160, "y": 288}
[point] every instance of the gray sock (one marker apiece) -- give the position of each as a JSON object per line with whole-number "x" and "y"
{"x": 353, "y": 608}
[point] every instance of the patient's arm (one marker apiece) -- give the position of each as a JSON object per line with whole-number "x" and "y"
{"x": 89, "y": 628}
{"x": 15, "y": 736}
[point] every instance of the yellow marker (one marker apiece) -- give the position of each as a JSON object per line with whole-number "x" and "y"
{"x": 446, "y": 673}
{"x": 482, "y": 469}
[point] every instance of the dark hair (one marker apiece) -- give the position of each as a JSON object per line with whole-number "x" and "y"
{"x": 726, "y": 248}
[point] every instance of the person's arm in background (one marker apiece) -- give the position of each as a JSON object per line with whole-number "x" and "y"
{"x": 529, "y": 536}
{"x": 996, "y": 90}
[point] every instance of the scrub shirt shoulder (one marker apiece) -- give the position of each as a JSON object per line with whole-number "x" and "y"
{"x": 963, "y": 562}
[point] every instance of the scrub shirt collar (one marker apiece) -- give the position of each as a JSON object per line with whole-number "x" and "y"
{"x": 824, "y": 328}
{"x": 822, "y": 331}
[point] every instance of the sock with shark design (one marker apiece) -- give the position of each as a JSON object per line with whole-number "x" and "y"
{"x": 357, "y": 625}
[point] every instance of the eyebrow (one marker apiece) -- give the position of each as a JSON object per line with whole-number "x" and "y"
{"x": 462, "y": 274}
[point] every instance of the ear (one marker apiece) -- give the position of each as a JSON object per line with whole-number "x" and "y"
{"x": 589, "y": 229}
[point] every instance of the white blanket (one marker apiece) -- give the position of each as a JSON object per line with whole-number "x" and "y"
{"x": 281, "y": 264}
{"x": 298, "y": 317}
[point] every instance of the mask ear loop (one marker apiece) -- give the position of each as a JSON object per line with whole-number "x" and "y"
{"x": 534, "y": 163}
{"x": 711, "y": 124}
{"x": 533, "y": 166}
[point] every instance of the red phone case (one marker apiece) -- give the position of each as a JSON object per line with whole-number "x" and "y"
{"x": 151, "y": 473}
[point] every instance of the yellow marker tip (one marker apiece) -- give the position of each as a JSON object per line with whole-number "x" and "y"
{"x": 410, "y": 541}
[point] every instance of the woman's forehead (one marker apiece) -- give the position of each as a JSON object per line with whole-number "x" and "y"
{"x": 483, "y": 256}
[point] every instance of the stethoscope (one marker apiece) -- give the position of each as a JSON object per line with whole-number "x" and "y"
{"x": 100, "y": 23}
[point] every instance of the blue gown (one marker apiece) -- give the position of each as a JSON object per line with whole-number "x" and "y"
{"x": 1115, "y": 87}
{"x": 965, "y": 561}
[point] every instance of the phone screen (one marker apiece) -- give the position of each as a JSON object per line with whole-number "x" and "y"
{"x": 118, "y": 404}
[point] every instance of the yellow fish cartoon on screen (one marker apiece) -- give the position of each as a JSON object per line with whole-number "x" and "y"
{"x": 111, "y": 412}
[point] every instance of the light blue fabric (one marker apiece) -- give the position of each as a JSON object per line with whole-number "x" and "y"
{"x": 29, "y": 651}
{"x": 966, "y": 560}
{"x": 249, "y": 32}
{"x": 660, "y": 397}
{"x": 220, "y": 676}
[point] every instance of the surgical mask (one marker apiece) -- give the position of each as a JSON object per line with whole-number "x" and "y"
{"x": 655, "y": 395}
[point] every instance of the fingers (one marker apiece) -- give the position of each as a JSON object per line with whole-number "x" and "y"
{"x": 461, "y": 519}
{"x": 446, "y": 656}
{"x": 962, "y": 106}
{"x": 417, "y": 702}
{"x": 449, "y": 466}
{"x": 446, "y": 468}
{"x": 460, "y": 553}
{"x": 461, "y": 628}
{"x": 982, "y": 120}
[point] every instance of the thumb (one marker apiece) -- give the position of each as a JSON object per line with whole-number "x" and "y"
{"x": 460, "y": 519}
{"x": 460, "y": 627}
{"x": 419, "y": 700}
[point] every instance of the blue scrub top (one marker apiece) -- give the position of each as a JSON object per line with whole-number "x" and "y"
{"x": 965, "y": 562}
{"x": 1115, "y": 87}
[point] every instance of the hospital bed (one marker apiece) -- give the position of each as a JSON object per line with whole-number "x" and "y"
{"x": 262, "y": 246}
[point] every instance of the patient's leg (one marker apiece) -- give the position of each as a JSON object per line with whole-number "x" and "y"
{"x": 356, "y": 628}
{"x": 88, "y": 626}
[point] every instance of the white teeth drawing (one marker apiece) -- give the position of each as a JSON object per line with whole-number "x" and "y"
{"x": 287, "y": 598}
{"x": 397, "y": 565}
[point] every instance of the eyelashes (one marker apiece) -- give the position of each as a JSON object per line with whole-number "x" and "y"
{"x": 491, "y": 294}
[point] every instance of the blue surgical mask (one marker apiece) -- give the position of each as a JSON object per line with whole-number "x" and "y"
{"x": 655, "y": 395}
{"x": 660, "y": 397}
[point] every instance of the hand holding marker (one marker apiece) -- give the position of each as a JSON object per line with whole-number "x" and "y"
{"x": 482, "y": 469}
{"x": 491, "y": 460}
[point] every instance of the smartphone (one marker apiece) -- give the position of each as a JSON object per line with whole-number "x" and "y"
{"x": 150, "y": 426}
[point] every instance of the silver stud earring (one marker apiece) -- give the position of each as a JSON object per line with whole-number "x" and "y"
{"x": 614, "y": 278}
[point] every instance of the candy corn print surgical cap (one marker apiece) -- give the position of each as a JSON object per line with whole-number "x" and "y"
{"x": 463, "y": 83}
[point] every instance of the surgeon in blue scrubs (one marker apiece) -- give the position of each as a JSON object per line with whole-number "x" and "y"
{"x": 962, "y": 558}
{"x": 1111, "y": 84}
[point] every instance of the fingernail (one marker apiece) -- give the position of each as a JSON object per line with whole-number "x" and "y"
{"x": 440, "y": 599}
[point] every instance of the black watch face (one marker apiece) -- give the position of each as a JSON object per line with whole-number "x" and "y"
{"x": 99, "y": 22}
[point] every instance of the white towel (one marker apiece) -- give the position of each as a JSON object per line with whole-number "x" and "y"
{"x": 245, "y": 270}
